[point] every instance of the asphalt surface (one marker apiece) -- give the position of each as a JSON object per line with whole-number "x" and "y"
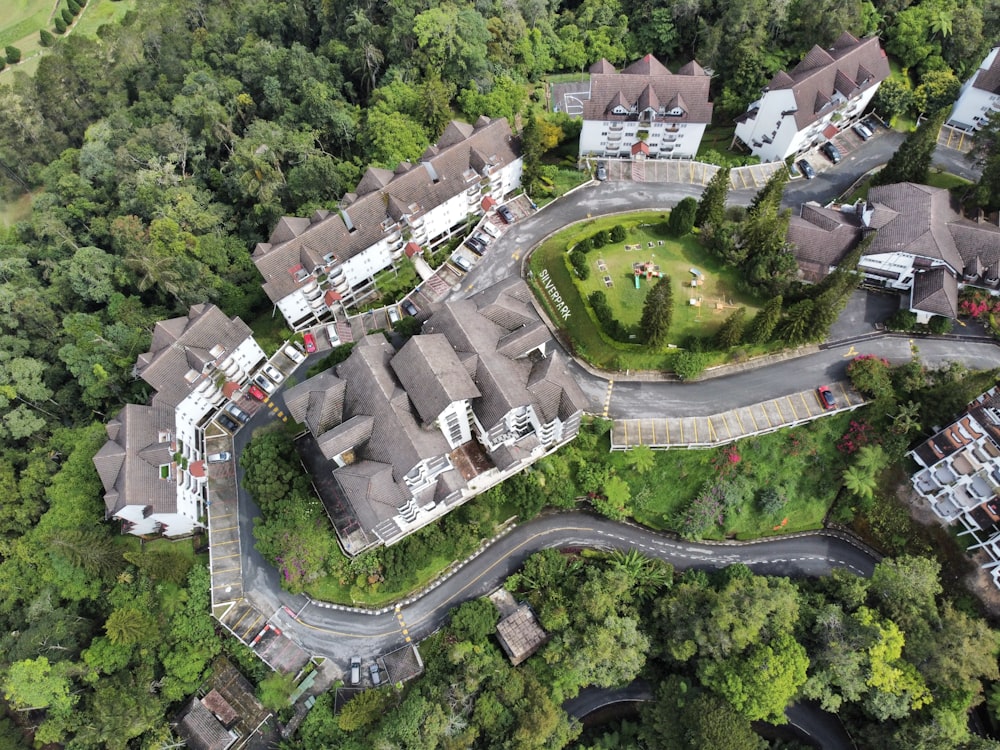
{"x": 339, "y": 633}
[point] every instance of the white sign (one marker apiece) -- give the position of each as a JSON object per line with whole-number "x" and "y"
{"x": 561, "y": 307}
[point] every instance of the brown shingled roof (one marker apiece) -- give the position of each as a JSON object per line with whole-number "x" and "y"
{"x": 815, "y": 79}
{"x": 989, "y": 79}
{"x": 935, "y": 291}
{"x": 648, "y": 83}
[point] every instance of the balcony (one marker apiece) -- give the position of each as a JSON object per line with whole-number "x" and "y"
{"x": 616, "y": 126}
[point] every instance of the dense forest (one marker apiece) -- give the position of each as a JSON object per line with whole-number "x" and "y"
{"x": 160, "y": 152}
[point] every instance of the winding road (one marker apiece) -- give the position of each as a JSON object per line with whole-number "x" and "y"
{"x": 340, "y": 632}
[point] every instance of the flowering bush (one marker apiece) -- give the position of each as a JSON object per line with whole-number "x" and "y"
{"x": 980, "y": 305}
{"x": 704, "y": 512}
{"x": 858, "y": 435}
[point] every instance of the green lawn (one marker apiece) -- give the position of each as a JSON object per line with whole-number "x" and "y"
{"x": 717, "y": 295}
{"x": 17, "y": 210}
{"x": 946, "y": 180}
{"x": 22, "y": 20}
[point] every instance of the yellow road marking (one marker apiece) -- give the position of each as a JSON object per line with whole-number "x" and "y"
{"x": 227, "y": 528}
{"x": 852, "y": 352}
{"x": 226, "y": 557}
{"x": 794, "y": 413}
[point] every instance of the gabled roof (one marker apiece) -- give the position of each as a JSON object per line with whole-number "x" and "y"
{"x": 140, "y": 441}
{"x": 820, "y": 237}
{"x": 646, "y": 84}
{"x": 988, "y": 79}
{"x": 821, "y": 73}
{"x": 380, "y": 199}
{"x": 935, "y": 291}
{"x": 432, "y": 375}
{"x": 919, "y": 226}
{"x": 602, "y": 66}
{"x": 200, "y": 730}
{"x": 186, "y": 345}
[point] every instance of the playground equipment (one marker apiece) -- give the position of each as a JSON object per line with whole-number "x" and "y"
{"x": 649, "y": 270}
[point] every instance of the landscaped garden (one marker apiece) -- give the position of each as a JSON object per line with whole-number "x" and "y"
{"x": 698, "y": 310}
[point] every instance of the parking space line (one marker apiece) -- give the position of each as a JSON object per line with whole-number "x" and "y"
{"x": 640, "y": 431}
{"x": 795, "y": 414}
{"x": 227, "y": 515}
{"x": 763, "y": 408}
{"x": 652, "y": 425}
{"x": 681, "y": 425}
{"x": 226, "y": 557}
{"x": 227, "y": 528}
{"x": 227, "y": 570}
{"x": 805, "y": 404}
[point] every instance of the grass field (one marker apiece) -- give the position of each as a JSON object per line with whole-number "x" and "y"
{"x": 16, "y": 210}
{"x": 21, "y": 21}
{"x": 675, "y": 257}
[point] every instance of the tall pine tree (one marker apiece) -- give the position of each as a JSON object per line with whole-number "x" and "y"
{"x": 657, "y": 312}
{"x": 912, "y": 160}
{"x": 712, "y": 206}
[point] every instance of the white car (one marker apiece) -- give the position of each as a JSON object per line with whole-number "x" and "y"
{"x": 462, "y": 262}
{"x": 490, "y": 228}
{"x": 264, "y": 384}
{"x": 294, "y": 353}
{"x": 273, "y": 372}
{"x": 331, "y": 331}
{"x": 219, "y": 458}
{"x": 393, "y": 312}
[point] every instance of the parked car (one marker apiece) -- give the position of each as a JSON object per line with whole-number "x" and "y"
{"x": 408, "y": 307}
{"x": 257, "y": 393}
{"x": 237, "y": 412}
{"x": 376, "y": 675}
{"x": 393, "y": 313}
{"x": 491, "y": 229}
{"x": 475, "y": 247}
{"x": 462, "y": 262}
{"x": 826, "y": 397}
{"x": 830, "y": 152}
{"x": 602, "y": 172}
{"x": 228, "y": 422}
{"x": 273, "y": 373}
{"x": 310, "y": 341}
{"x": 331, "y": 331}
{"x": 219, "y": 458}
{"x": 863, "y": 131}
{"x": 505, "y": 214}
{"x": 264, "y": 384}
{"x": 294, "y": 353}
{"x": 807, "y": 169}
{"x": 481, "y": 238}
{"x": 355, "y": 670}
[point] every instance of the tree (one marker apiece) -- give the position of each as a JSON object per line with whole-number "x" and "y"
{"x": 474, "y": 620}
{"x": 67, "y": 16}
{"x": 912, "y": 160}
{"x": 894, "y": 98}
{"x": 45, "y": 38}
{"x": 731, "y": 332}
{"x": 870, "y": 375}
{"x": 35, "y": 683}
{"x": 682, "y": 217}
{"x": 985, "y": 154}
{"x": 657, "y": 312}
{"x": 275, "y": 690}
{"x": 580, "y": 265}
{"x": 938, "y": 90}
{"x": 640, "y": 458}
{"x": 712, "y": 206}
{"x": 59, "y": 24}
{"x": 13, "y": 54}
{"x": 761, "y": 327}
{"x": 860, "y": 482}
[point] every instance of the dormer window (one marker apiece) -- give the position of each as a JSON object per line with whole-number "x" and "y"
{"x": 301, "y": 275}
{"x": 217, "y": 351}
{"x": 675, "y": 112}
{"x": 191, "y": 376}
{"x": 619, "y": 110}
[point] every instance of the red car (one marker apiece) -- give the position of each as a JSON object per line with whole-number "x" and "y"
{"x": 826, "y": 397}
{"x": 310, "y": 342}
{"x": 257, "y": 393}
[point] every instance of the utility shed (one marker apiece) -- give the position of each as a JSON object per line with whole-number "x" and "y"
{"x": 201, "y": 730}
{"x": 520, "y": 635}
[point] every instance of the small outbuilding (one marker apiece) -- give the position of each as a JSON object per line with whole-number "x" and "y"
{"x": 520, "y": 635}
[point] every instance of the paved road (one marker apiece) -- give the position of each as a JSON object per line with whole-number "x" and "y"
{"x": 340, "y": 633}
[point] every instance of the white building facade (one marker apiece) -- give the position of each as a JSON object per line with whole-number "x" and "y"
{"x": 825, "y": 93}
{"x": 645, "y": 104}
{"x": 318, "y": 267}
{"x": 980, "y": 95}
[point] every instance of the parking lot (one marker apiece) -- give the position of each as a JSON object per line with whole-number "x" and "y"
{"x": 727, "y": 427}
{"x": 846, "y": 141}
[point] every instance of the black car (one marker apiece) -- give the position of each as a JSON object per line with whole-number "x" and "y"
{"x": 476, "y": 245}
{"x": 505, "y": 214}
{"x": 830, "y": 152}
{"x": 408, "y": 307}
{"x": 807, "y": 169}
{"x": 237, "y": 412}
{"x": 228, "y": 422}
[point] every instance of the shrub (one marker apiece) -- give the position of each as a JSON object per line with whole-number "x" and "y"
{"x": 584, "y": 246}
{"x": 59, "y": 24}
{"x": 67, "y": 16}
{"x": 770, "y": 501}
{"x": 600, "y": 239}
{"x": 940, "y": 325}
{"x": 902, "y": 320}
{"x": 602, "y": 311}
{"x": 578, "y": 260}
{"x": 74, "y": 6}
{"x": 618, "y": 233}
{"x": 13, "y": 54}
{"x": 689, "y": 365}
{"x": 45, "y": 38}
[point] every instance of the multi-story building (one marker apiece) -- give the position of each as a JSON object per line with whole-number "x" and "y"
{"x": 409, "y": 435}
{"x": 959, "y": 475}
{"x": 822, "y": 95}
{"x": 152, "y": 465}
{"x": 645, "y": 109}
{"x": 980, "y": 95}
{"x": 923, "y": 247}
{"x": 316, "y": 267}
